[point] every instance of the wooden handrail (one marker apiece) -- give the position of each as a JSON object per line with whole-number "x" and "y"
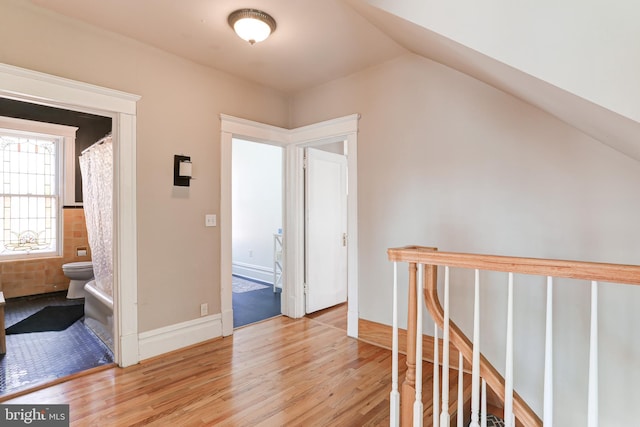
{"x": 601, "y": 272}
{"x": 431, "y": 258}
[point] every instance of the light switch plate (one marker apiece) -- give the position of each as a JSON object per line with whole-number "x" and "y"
{"x": 210, "y": 220}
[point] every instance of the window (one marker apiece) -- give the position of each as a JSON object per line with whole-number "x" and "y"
{"x": 31, "y": 175}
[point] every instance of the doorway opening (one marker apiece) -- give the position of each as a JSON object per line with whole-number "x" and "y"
{"x": 44, "y": 89}
{"x": 293, "y": 141}
{"x": 257, "y": 231}
{"x": 39, "y": 349}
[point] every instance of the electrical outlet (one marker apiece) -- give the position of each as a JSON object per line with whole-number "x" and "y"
{"x": 204, "y": 309}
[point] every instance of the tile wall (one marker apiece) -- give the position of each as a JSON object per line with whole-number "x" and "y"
{"x": 30, "y": 277}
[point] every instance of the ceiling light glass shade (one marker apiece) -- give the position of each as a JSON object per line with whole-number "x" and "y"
{"x": 252, "y": 25}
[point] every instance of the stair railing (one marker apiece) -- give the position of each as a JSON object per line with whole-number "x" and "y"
{"x": 406, "y": 402}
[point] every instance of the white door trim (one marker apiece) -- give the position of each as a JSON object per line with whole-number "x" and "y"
{"x": 31, "y": 86}
{"x": 327, "y": 132}
{"x": 231, "y": 127}
{"x": 336, "y": 130}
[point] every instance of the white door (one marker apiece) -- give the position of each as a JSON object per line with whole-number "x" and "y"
{"x": 325, "y": 229}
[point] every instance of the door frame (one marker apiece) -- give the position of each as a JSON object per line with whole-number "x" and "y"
{"x": 40, "y": 88}
{"x": 294, "y": 141}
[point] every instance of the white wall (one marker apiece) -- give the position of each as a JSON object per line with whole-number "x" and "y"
{"x": 447, "y": 161}
{"x": 257, "y": 207}
{"x": 588, "y": 48}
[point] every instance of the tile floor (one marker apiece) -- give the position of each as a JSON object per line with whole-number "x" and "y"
{"x": 40, "y": 357}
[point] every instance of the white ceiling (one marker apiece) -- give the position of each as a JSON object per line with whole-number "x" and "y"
{"x": 315, "y": 41}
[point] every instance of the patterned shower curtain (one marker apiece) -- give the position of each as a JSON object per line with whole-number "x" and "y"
{"x": 96, "y": 165}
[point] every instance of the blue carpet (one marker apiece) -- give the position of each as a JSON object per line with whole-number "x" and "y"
{"x": 254, "y": 306}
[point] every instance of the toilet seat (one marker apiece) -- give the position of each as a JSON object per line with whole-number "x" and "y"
{"x": 78, "y": 265}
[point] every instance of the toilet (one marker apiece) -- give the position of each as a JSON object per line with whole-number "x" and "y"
{"x": 79, "y": 273}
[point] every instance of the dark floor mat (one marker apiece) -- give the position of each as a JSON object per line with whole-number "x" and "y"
{"x": 253, "y": 306}
{"x": 50, "y": 318}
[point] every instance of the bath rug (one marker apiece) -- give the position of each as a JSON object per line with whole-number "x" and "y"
{"x": 50, "y": 318}
{"x": 240, "y": 285}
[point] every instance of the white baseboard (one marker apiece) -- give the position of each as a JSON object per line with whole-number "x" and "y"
{"x": 129, "y": 353}
{"x": 170, "y": 338}
{"x": 227, "y": 323}
{"x": 352, "y": 323}
{"x": 250, "y": 271}
{"x": 295, "y": 311}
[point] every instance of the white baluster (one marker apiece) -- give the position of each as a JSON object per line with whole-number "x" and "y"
{"x": 460, "y": 417}
{"x": 475, "y": 368}
{"x": 445, "y": 418}
{"x": 483, "y": 418}
{"x": 508, "y": 375}
{"x": 436, "y": 378}
{"x": 548, "y": 358}
{"x": 592, "y": 409}
{"x": 394, "y": 419}
{"x": 417, "y": 404}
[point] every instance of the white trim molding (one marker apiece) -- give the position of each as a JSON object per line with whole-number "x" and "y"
{"x": 174, "y": 337}
{"x": 320, "y": 133}
{"x": 35, "y": 87}
{"x": 125, "y": 241}
{"x": 294, "y": 140}
{"x": 352, "y": 230}
{"x": 253, "y": 272}
{"x": 254, "y": 131}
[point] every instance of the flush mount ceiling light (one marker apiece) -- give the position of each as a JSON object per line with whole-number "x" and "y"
{"x": 252, "y": 25}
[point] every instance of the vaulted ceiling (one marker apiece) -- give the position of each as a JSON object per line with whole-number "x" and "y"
{"x": 317, "y": 41}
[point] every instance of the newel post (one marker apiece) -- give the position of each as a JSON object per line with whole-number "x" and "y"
{"x": 408, "y": 390}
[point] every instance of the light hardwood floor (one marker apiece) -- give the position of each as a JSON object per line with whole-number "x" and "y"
{"x": 280, "y": 372}
{"x": 303, "y": 372}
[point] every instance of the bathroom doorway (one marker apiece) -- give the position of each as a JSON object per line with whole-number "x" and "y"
{"x": 37, "y": 357}
{"x": 257, "y": 231}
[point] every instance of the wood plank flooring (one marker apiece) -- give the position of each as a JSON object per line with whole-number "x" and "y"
{"x": 280, "y": 372}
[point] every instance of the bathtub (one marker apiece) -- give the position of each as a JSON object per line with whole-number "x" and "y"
{"x": 98, "y": 313}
